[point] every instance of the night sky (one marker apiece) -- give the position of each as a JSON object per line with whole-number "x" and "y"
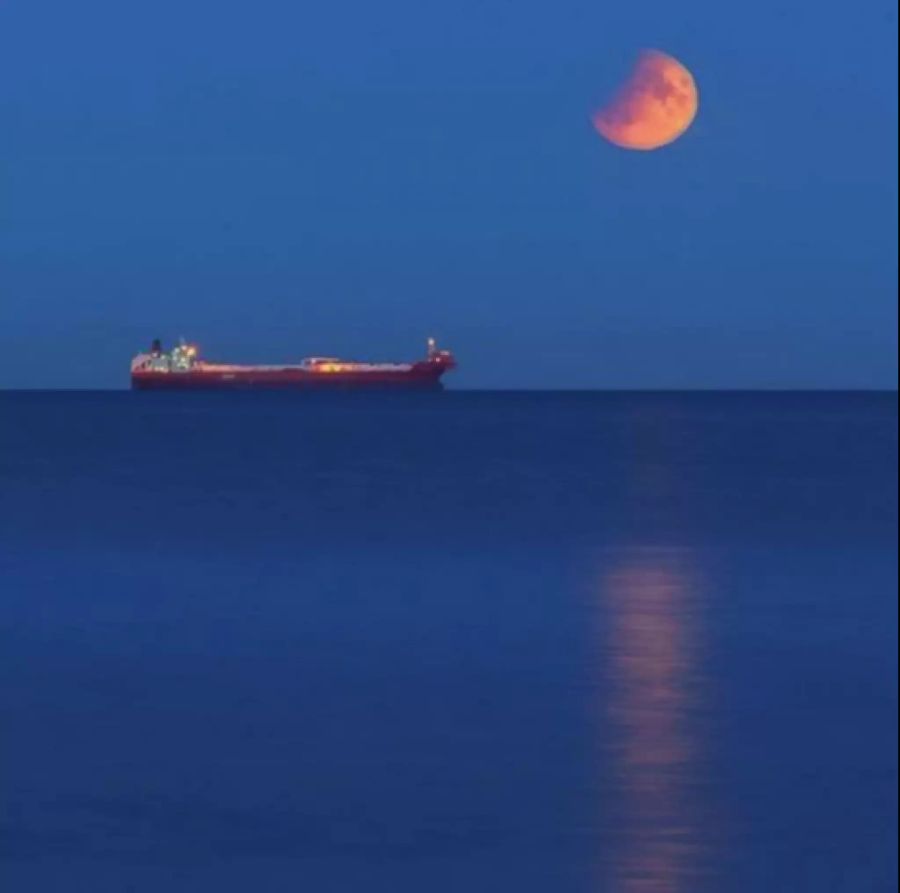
{"x": 275, "y": 179}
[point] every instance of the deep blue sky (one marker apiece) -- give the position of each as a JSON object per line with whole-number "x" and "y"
{"x": 275, "y": 178}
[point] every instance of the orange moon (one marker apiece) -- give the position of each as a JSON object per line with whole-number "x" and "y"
{"x": 655, "y": 106}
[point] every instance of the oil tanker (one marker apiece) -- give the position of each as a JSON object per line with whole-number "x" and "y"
{"x": 182, "y": 369}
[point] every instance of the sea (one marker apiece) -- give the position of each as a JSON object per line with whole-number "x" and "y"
{"x": 461, "y": 642}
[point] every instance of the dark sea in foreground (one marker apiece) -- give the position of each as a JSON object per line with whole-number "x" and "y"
{"x": 453, "y": 643}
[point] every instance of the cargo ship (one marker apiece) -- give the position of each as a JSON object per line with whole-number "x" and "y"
{"x": 182, "y": 368}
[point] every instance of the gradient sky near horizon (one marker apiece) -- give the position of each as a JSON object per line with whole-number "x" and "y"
{"x": 276, "y": 179}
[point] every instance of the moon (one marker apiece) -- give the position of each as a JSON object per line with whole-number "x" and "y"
{"x": 654, "y": 107}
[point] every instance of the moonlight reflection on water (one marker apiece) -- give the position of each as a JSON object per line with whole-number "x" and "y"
{"x": 652, "y": 603}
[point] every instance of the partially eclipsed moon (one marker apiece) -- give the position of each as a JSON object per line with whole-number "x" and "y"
{"x": 653, "y": 108}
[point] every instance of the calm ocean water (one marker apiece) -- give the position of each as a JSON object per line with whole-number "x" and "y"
{"x": 458, "y": 643}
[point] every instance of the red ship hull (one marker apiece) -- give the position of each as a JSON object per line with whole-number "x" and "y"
{"x": 420, "y": 376}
